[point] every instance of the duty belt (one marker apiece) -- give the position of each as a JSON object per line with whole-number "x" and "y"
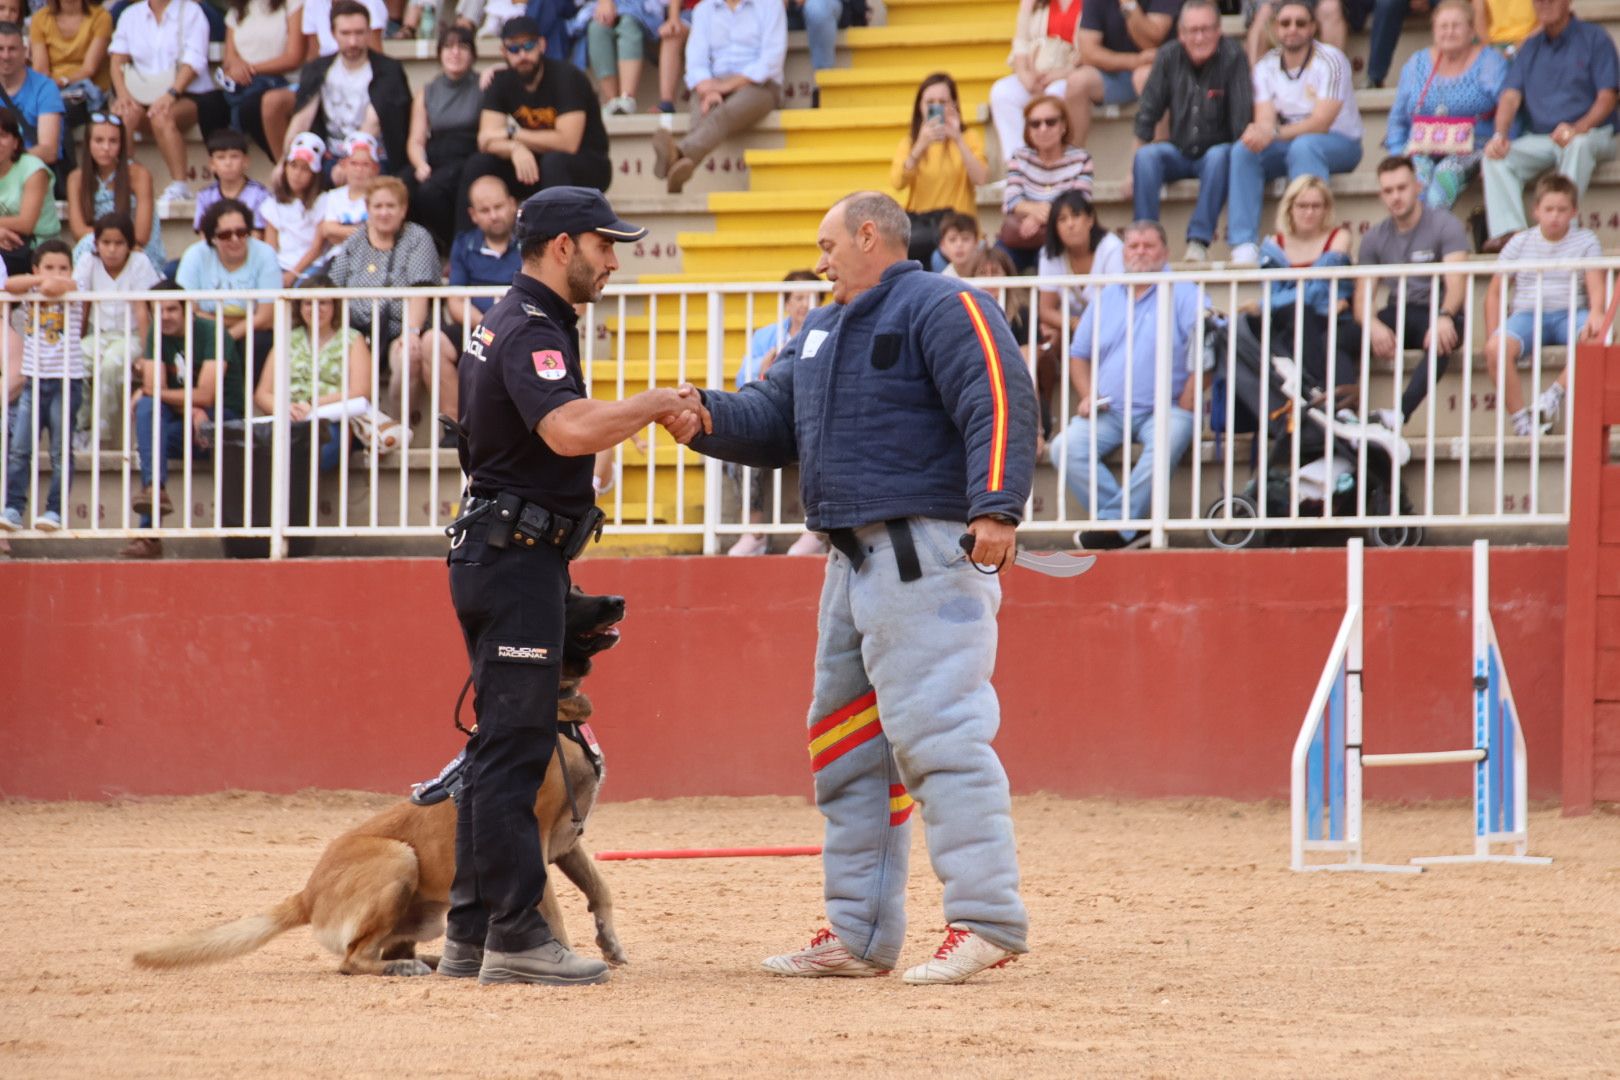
{"x": 512, "y": 520}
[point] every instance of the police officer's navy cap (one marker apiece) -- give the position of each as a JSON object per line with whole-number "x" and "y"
{"x": 559, "y": 210}
{"x": 520, "y": 27}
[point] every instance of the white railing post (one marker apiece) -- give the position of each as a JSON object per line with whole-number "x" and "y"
{"x": 1163, "y": 375}
{"x": 280, "y": 441}
{"x": 715, "y": 368}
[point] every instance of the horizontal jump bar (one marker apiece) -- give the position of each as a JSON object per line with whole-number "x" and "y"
{"x": 1431, "y": 757}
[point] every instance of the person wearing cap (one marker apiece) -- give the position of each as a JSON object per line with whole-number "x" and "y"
{"x": 734, "y": 60}
{"x": 528, "y": 435}
{"x": 344, "y": 209}
{"x": 539, "y": 124}
{"x": 297, "y": 203}
{"x": 354, "y": 90}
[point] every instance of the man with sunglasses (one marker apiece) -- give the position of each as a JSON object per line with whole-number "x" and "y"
{"x": 540, "y": 124}
{"x": 1305, "y": 123}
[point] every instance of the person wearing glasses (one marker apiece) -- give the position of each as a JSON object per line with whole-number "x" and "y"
{"x": 1201, "y": 81}
{"x": 356, "y": 90}
{"x": 1305, "y": 122}
{"x": 230, "y": 258}
{"x": 539, "y": 124}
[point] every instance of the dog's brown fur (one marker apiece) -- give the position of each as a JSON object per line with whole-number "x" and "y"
{"x": 384, "y": 886}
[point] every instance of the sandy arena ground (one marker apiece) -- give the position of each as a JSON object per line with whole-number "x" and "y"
{"x": 1169, "y": 940}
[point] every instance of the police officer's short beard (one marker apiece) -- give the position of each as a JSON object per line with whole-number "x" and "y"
{"x": 582, "y": 286}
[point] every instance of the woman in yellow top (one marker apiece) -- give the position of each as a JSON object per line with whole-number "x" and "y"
{"x": 68, "y": 42}
{"x": 1505, "y": 23}
{"x": 938, "y": 165}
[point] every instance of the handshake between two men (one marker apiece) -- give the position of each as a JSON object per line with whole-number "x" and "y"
{"x": 687, "y": 415}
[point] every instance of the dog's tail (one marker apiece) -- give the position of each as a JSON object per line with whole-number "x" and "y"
{"x": 224, "y": 942}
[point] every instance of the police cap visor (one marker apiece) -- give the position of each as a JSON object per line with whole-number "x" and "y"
{"x": 559, "y": 210}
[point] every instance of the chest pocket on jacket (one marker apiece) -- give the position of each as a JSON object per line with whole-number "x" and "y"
{"x": 885, "y": 351}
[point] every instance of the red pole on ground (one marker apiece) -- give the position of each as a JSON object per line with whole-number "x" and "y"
{"x": 706, "y": 853}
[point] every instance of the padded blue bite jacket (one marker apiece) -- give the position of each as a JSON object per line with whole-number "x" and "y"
{"x": 912, "y": 400}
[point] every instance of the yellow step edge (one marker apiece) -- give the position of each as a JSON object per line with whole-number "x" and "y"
{"x": 906, "y": 75}
{"x": 994, "y": 30}
{"x": 749, "y": 238}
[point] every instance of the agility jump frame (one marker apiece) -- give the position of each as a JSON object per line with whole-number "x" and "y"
{"x": 1328, "y": 758}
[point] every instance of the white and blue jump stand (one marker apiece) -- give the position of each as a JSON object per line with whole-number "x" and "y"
{"x": 1328, "y": 757}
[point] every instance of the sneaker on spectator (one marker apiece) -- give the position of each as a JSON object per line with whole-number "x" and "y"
{"x": 824, "y": 957}
{"x": 142, "y": 503}
{"x": 624, "y": 105}
{"x": 177, "y": 191}
{"x": 1108, "y": 540}
{"x": 49, "y": 521}
{"x": 1522, "y": 425}
{"x": 1549, "y": 405}
{"x": 144, "y": 547}
{"x": 1197, "y": 252}
{"x": 963, "y": 955}
{"x": 1246, "y": 255}
{"x": 1390, "y": 418}
{"x": 81, "y": 441}
{"x": 748, "y": 544}
{"x": 808, "y": 544}
{"x": 11, "y": 520}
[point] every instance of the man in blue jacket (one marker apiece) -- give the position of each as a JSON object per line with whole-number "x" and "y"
{"x": 910, "y": 411}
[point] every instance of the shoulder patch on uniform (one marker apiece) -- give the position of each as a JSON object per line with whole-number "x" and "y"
{"x": 549, "y": 364}
{"x": 484, "y": 335}
{"x": 533, "y": 312}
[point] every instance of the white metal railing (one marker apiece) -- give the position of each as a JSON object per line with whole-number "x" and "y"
{"x": 252, "y": 471}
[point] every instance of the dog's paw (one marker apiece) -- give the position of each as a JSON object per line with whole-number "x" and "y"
{"x": 612, "y": 951}
{"x": 406, "y": 967}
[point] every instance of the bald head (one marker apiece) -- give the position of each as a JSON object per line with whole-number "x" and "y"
{"x": 492, "y": 208}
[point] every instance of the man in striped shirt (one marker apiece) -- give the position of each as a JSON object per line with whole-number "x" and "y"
{"x": 1551, "y": 306}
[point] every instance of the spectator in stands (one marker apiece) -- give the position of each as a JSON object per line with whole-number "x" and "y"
{"x": 483, "y": 255}
{"x": 1413, "y": 233}
{"x": 617, "y": 40}
{"x": 1037, "y": 174}
{"x": 157, "y": 41}
{"x": 1118, "y": 333}
{"x": 1332, "y": 26}
{"x": 343, "y": 209}
{"x": 1078, "y": 245}
{"x": 1118, "y": 42}
{"x": 118, "y": 328}
{"x": 33, "y": 97}
{"x": 230, "y": 259}
{"x": 27, "y": 208}
{"x": 356, "y": 90}
{"x": 1505, "y": 24}
{"x": 1307, "y": 237}
{"x": 50, "y": 350}
{"x": 186, "y": 372}
{"x": 389, "y": 252}
{"x": 958, "y": 245}
{"x": 444, "y": 136}
{"x": 1562, "y": 87}
{"x": 1201, "y": 80}
{"x": 993, "y": 262}
{"x": 264, "y": 46}
{"x": 321, "y": 35}
{"x": 317, "y": 378}
{"x": 763, "y": 347}
{"x": 1445, "y": 105}
{"x": 1045, "y": 54}
{"x": 109, "y": 180}
{"x": 1558, "y": 297}
{"x": 1305, "y": 121}
{"x": 539, "y": 122}
{"x": 673, "y": 33}
{"x": 293, "y": 215}
{"x": 68, "y": 42}
{"x": 734, "y": 60}
{"x": 228, "y": 161}
{"x": 938, "y": 165}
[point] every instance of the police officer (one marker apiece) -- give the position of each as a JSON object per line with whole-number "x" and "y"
{"x": 528, "y": 436}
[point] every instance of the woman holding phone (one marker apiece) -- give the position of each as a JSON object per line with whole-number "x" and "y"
{"x": 937, "y": 165}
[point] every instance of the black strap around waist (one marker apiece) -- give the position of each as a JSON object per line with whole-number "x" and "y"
{"x": 905, "y": 549}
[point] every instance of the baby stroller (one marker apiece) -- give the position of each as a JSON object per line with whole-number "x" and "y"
{"x": 1324, "y": 478}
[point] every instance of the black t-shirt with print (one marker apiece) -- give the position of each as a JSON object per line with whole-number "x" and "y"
{"x": 563, "y": 89}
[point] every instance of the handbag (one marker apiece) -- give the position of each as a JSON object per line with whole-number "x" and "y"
{"x": 1440, "y": 135}
{"x": 147, "y": 86}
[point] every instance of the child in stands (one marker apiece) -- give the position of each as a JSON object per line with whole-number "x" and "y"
{"x": 958, "y": 245}
{"x": 293, "y": 215}
{"x": 228, "y": 161}
{"x": 112, "y": 266}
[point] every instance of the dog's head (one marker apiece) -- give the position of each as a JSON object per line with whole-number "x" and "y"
{"x": 590, "y": 626}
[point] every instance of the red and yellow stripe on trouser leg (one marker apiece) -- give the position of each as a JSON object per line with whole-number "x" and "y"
{"x": 868, "y": 837}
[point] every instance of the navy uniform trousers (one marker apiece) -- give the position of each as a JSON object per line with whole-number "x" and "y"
{"x": 510, "y": 604}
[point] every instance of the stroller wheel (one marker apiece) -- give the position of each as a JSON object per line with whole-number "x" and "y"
{"x": 1232, "y": 536}
{"x": 1396, "y": 536}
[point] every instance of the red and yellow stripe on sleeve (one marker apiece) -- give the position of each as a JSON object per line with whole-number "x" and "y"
{"x": 839, "y": 732}
{"x": 998, "y": 391}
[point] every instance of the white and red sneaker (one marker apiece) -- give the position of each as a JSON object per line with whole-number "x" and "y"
{"x": 824, "y": 957}
{"x": 963, "y": 955}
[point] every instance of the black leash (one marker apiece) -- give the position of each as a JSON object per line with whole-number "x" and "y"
{"x": 455, "y": 717}
{"x": 562, "y": 762}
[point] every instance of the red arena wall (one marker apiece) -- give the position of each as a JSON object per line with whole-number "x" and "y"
{"x": 1158, "y": 674}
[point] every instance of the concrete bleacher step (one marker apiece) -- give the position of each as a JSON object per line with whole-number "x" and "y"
{"x": 921, "y": 13}
{"x": 895, "y": 87}
{"x": 954, "y": 44}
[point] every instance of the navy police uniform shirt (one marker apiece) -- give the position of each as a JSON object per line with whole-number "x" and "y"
{"x": 520, "y": 364}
